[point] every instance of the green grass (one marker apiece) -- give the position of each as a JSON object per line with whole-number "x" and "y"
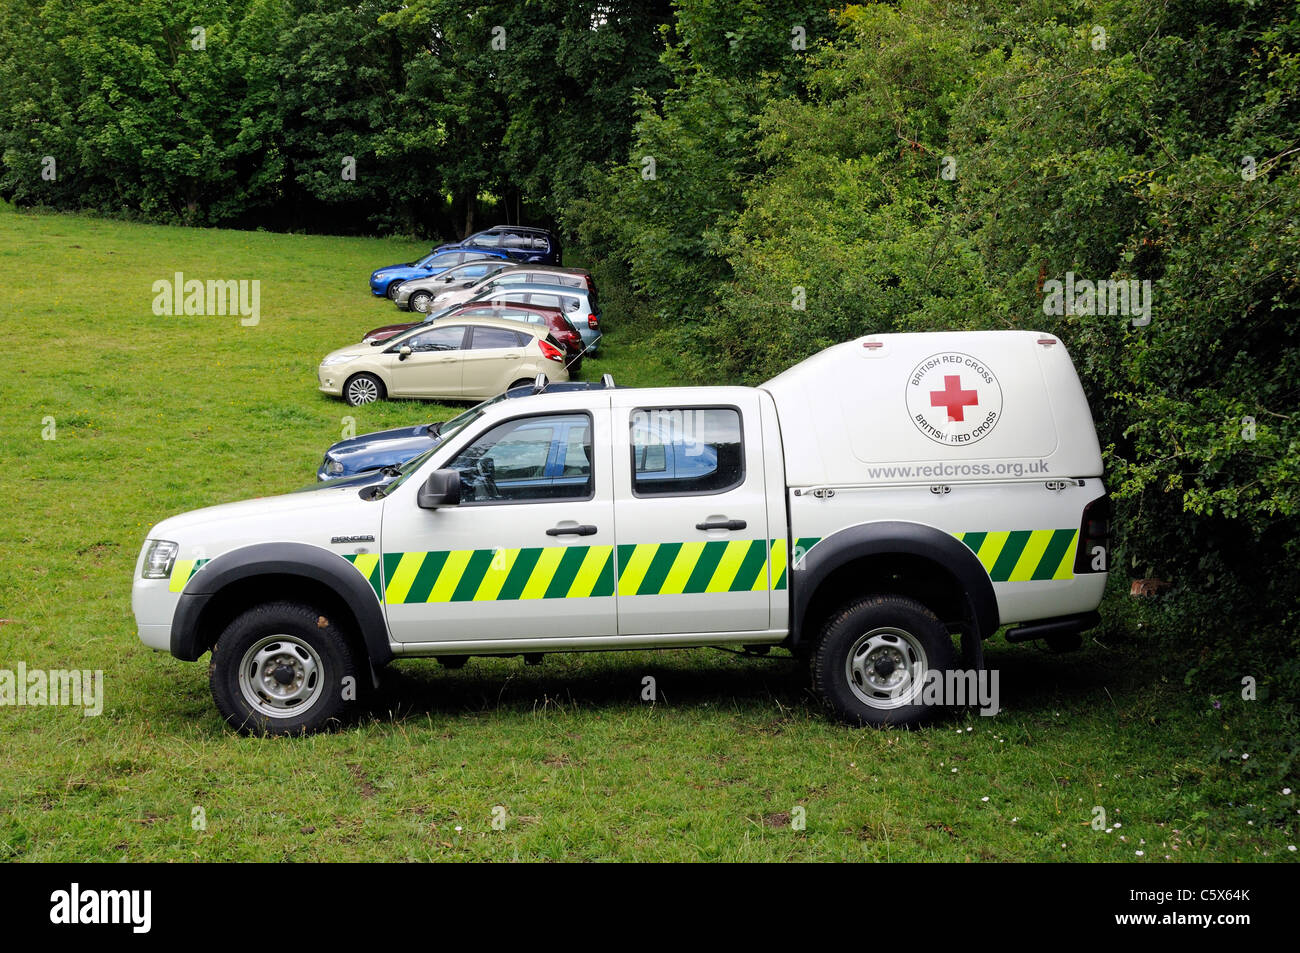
{"x": 155, "y": 416}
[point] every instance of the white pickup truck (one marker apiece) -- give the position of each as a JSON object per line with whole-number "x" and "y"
{"x": 880, "y": 509}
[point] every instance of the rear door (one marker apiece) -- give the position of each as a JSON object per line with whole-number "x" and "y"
{"x": 491, "y": 357}
{"x": 691, "y": 508}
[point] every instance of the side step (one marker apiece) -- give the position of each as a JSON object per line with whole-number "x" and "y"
{"x": 1059, "y": 626}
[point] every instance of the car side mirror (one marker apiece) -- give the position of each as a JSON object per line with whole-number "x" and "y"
{"x": 404, "y": 352}
{"x": 441, "y": 489}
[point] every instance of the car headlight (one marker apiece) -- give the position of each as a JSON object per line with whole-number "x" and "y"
{"x": 338, "y": 359}
{"x": 158, "y": 559}
{"x": 333, "y": 467}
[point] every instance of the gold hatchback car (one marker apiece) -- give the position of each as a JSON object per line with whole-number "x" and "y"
{"x": 470, "y": 359}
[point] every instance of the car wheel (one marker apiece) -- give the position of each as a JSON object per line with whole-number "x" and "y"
{"x": 873, "y": 657}
{"x": 283, "y": 668}
{"x": 419, "y": 301}
{"x": 391, "y": 290}
{"x": 363, "y": 389}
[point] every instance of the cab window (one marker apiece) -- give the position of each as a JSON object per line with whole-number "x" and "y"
{"x": 686, "y": 450}
{"x": 534, "y": 459}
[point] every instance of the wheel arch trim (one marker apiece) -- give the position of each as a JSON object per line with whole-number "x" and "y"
{"x": 303, "y": 560}
{"x": 894, "y": 537}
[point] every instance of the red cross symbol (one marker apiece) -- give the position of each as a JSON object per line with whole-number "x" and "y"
{"x": 953, "y": 397}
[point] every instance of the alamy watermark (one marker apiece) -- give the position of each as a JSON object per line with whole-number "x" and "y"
{"x": 71, "y": 688}
{"x": 1081, "y": 296}
{"x": 194, "y": 297}
{"x": 958, "y": 688}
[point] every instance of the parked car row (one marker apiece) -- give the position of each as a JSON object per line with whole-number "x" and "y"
{"x": 492, "y": 316}
{"x": 493, "y": 310}
{"x": 506, "y": 243}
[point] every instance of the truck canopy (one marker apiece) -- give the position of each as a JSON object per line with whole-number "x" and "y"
{"x": 948, "y": 407}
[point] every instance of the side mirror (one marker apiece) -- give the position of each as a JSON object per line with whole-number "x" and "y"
{"x": 441, "y": 489}
{"x": 404, "y": 352}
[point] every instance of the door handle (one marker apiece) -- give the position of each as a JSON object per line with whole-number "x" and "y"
{"x": 583, "y": 529}
{"x": 732, "y": 525}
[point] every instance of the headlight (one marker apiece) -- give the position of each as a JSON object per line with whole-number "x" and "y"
{"x": 158, "y": 559}
{"x": 333, "y": 467}
{"x": 338, "y": 359}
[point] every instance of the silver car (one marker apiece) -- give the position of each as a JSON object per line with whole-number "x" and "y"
{"x": 416, "y": 294}
{"x": 513, "y": 277}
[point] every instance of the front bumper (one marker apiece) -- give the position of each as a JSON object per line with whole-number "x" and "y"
{"x": 331, "y": 379}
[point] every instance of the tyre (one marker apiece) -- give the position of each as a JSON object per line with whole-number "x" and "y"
{"x": 870, "y": 661}
{"x": 419, "y": 301}
{"x": 283, "y": 669}
{"x": 363, "y": 389}
{"x": 525, "y": 382}
{"x": 391, "y": 290}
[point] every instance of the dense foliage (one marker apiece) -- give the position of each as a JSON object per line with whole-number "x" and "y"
{"x": 771, "y": 178}
{"x": 939, "y": 166}
{"x": 247, "y": 112}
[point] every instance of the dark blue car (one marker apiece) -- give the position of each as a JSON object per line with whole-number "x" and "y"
{"x": 523, "y": 243}
{"x": 384, "y": 281}
{"x": 375, "y": 457}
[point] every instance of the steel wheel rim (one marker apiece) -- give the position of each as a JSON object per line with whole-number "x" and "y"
{"x": 281, "y": 675}
{"x": 886, "y": 668}
{"x": 363, "y": 391}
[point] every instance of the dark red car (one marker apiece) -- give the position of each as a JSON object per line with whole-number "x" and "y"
{"x": 556, "y": 321}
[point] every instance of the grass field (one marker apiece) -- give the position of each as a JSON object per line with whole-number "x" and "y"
{"x": 156, "y": 415}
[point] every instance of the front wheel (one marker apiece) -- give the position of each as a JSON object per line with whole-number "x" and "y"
{"x": 419, "y": 301}
{"x": 874, "y": 657}
{"x": 391, "y": 290}
{"x": 282, "y": 668}
{"x": 363, "y": 389}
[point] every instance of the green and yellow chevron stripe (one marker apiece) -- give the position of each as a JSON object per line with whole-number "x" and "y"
{"x": 368, "y": 565}
{"x": 483, "y": 575}
{"x": 1024, "y": 555}
{"x": 779, "y": 557}
{"x": 567, "y": 572}
{"x": 182, "y": 569}
{"x": 666, "y": 569}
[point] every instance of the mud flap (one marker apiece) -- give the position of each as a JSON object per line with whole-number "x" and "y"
{"x": 972, "y": 649}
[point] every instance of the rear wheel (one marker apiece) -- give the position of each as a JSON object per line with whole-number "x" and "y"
{"x": 363, "y": 389}
{"x": 283, "y": 668}
{"x": 872, "y": 660}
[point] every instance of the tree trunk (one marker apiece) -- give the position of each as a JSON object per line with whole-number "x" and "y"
{"x": 471, "y": 205}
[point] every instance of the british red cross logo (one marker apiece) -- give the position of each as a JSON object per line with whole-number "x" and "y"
{"x": 954, "y": 398}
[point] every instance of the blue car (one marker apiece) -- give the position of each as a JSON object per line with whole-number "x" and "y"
{"x": 384, "y": 281}
{"x": 376, "y": 457}
{"x": 523, "y": 243}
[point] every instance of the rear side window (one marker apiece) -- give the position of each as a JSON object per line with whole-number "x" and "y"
{"x": 686, "y": 450}
{"x": 486, "y": 338}
{"x": 541, "y": 278}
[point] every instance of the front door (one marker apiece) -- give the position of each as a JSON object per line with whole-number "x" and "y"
{"x": 434, "y": 366}
{"x": 529, "y": 551}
